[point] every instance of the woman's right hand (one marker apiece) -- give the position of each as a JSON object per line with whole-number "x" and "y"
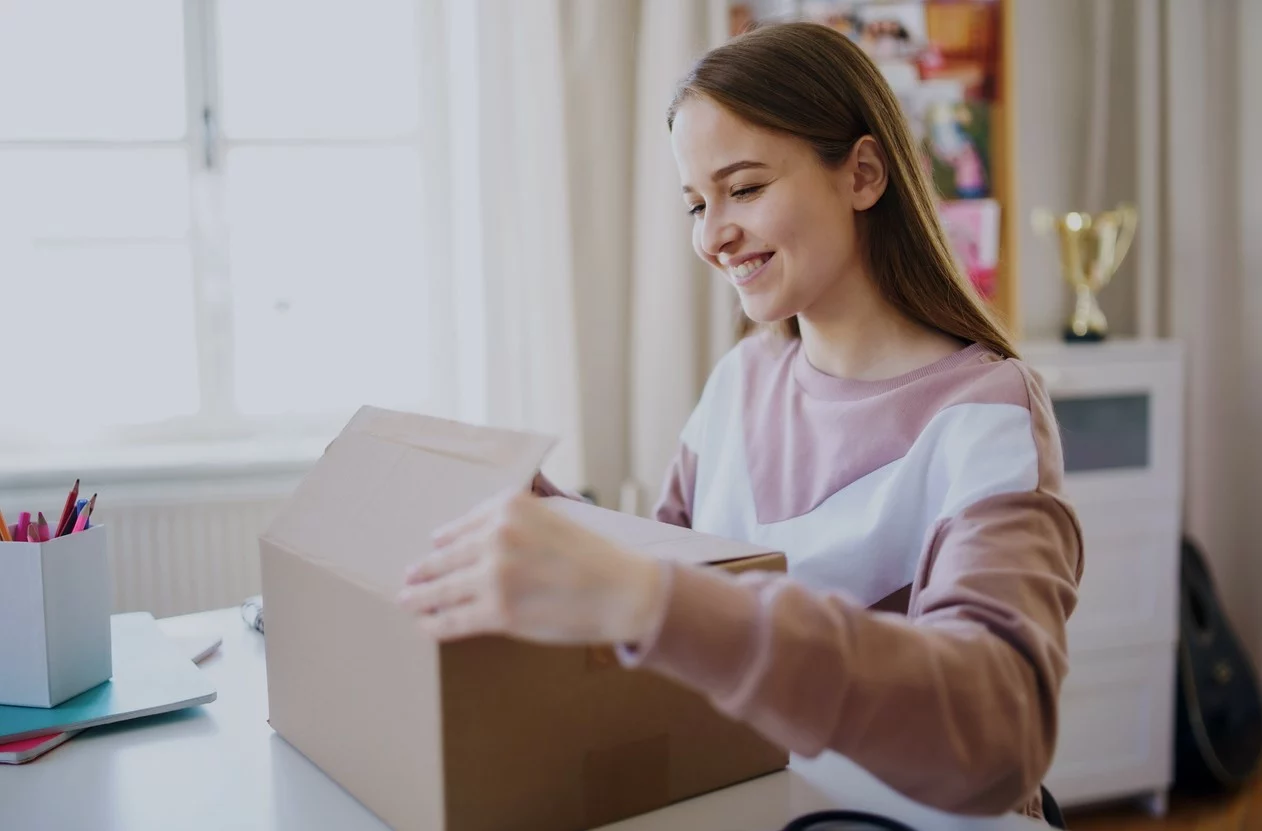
{"x": 518, "y": 568}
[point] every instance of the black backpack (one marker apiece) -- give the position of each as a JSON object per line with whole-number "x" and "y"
{"x": 1218, "y": 727}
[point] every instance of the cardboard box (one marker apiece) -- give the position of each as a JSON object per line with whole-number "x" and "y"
{"x": 55, "y": 603}
{"x": 487, "y": 734}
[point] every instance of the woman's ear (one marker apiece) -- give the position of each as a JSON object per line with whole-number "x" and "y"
{"x": 870, "y": 173}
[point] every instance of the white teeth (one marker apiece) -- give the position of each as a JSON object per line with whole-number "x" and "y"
{"x": 747, "y": 268}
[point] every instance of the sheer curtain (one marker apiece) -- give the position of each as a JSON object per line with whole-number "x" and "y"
{"x": 652, "y": 318}
{"x": 682, "y": 315}
{"x": 570, "y": 301}
{"x": 499, "y": 229}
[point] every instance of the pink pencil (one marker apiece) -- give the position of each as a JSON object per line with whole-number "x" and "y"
{"x": 24, "y": 522}
{"x": 82, "y": 521}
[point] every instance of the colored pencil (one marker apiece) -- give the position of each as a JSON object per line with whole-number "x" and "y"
{"x": 63, "y": 524}
{"x": 82, "y": 522}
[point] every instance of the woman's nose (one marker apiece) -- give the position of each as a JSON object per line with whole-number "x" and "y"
{"x": 718, "y": 234}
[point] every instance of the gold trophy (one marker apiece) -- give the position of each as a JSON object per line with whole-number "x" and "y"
{"x": 1092, "y": 246}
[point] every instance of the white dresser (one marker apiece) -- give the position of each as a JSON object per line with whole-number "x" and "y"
{"x": 1120, "y": 407}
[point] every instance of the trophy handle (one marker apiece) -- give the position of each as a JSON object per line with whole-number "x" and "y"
{"x": 1130, "y": 219}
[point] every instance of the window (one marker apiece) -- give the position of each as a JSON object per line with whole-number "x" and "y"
{"x": 210, "y": 216}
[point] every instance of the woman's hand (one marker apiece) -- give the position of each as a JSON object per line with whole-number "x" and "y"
{"x": 517, "y": 568}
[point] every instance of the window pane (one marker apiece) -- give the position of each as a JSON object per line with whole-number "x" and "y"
{"x": 296, "y": 69}
{"x": 327, "y": 278}
{"x": 87, "y": 69}
{"x": 93, "y": 193}
{"x": 96, "y": 336}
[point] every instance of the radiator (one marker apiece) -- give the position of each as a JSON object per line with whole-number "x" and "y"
{"x": 177, "y": 543}
{"x": 170, "y": 559}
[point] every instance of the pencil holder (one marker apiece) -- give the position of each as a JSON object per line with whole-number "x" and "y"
{"x": 55, "y": 603}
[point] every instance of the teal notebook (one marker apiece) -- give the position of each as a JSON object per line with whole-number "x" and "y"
{"x": 151, "y": 675}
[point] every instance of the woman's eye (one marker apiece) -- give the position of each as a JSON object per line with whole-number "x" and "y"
{"x": 747, "y": 192}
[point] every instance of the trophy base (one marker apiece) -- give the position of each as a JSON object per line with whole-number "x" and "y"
{"x": 1071, "y": 336}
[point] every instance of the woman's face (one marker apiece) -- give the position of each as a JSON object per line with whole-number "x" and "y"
{"x": 766, "y": 211}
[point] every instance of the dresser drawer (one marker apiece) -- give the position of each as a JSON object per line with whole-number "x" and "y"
{"x": 1129, "y": 590}
{"x": 1120, "y": 429}
{"x": 1116, "y": 726}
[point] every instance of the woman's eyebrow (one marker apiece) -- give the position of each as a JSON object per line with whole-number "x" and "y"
{"x": 727, "y": 170}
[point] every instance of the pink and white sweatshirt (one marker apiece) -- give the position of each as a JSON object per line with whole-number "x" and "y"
{"x": 932, "y": 559}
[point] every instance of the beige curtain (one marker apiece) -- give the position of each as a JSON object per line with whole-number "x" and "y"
{"x": 1166, "y": 110}
{"x": 645, "y": 304}
{"x": 682, "y": 316}
{"x": 500, "y": 221}
{"x": 1211, "y": 273}
{"x": 579, "y": 300}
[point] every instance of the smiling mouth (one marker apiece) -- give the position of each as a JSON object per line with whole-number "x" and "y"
{"x": 748, "y": 271}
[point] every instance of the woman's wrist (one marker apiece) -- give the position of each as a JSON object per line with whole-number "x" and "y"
{"x": 645, "y": 589}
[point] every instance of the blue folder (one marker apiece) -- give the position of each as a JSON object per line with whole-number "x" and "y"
{"x": 151, "y": 676}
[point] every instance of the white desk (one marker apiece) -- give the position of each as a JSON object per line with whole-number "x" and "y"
{"x": 220, "y": 767}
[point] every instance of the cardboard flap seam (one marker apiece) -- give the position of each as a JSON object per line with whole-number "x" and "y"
{"x": 334, "y": 568}
{"x": 471, "y": 458}
{"x": 484, "y": 450}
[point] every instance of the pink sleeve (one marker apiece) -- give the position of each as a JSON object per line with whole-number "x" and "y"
{"x": 674, "y": 504}
{"x": 953, "y": 705}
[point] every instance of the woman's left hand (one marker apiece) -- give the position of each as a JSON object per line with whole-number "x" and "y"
{"x": 516, "y": 567}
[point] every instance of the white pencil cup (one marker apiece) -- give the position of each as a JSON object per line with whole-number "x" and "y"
{"x": 55, "y": 604}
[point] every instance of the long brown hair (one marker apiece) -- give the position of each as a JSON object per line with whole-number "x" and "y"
{"x": 811, "y": 81}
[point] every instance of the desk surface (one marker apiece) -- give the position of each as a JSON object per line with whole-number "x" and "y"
{"x": 220, "y": 766}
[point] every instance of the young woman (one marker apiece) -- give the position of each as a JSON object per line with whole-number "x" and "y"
{"x": 882, "y": 432}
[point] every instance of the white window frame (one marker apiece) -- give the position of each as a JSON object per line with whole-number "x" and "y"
{"x": 202, "y": 437}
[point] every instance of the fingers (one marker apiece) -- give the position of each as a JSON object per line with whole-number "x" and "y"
{"x": 453, "y": 589}
{"x": 462, "y": 622}
{"x": 475, "y": 519}
{"x": 457, "y": 590}
{"x": 468, "y": 523}
{"x": 460, "y": 604}
{"x": 442, "y": 561}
